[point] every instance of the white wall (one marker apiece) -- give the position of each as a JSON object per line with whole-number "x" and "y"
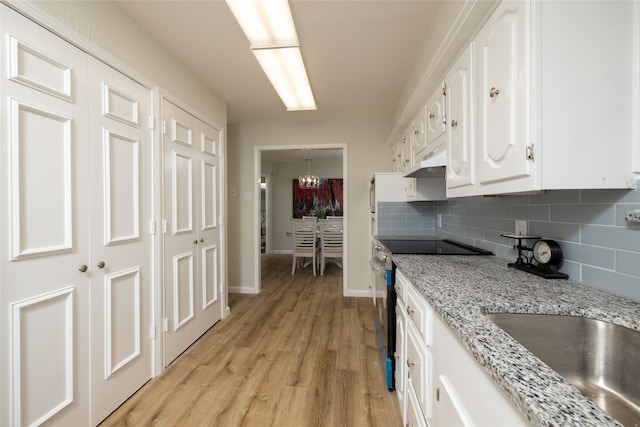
{"x": 366, "y": 155}
{"x": 106, "y": 26}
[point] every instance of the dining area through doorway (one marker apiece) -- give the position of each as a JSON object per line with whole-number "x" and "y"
{"x": 316, "y": 242}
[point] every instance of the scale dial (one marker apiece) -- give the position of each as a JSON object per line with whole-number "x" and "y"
{"x": 547, "y": 252}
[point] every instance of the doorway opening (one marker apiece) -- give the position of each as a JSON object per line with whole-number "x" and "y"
{"x": 264, "y": 210}
{"x": 276, "y": 169}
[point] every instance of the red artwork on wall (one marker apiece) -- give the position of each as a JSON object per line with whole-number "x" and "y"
{"x": 326, "y": 200}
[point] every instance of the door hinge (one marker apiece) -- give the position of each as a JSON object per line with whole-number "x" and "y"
{"x": 529, "y": 153}
{"x": 152, "y": 227}
{"x": 164, "y": 226}
{"x": 152, "y": 332}
{"x": 164, "y": 127}
{"x": 165, "y": 324}
{"x": 152, "y": 122}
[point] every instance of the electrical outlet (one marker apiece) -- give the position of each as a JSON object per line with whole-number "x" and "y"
{"x": 521, "y": 227}
{"x": 439, "y": 219}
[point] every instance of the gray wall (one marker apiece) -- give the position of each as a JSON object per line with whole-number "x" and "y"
{"x": 600, "y": 248}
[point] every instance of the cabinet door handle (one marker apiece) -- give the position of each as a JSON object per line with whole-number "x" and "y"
{"x": 493, "y": 92}
{"x": 438, "y": 394}
{"x": 410, "y": 311}
{"x": 454, "y": 123}
{"x": 101, "y": 264}
{"x": 431, "y": 115}
{"x": 82, "y": 268}
{"x": 201, "y": 240}
{"x": 195, "y": 242}
{"x": 410, "y": 363}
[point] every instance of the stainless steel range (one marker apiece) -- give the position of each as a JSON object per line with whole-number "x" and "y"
{"x": 384, "y": 270}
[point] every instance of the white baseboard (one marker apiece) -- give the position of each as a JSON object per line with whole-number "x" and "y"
{"x": 358, "y": 294}
{"x": 281, "y": 252}
{"x": 241, "y": 290}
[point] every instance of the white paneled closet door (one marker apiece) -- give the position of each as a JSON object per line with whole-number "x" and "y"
{"x": 121, "y": 245}
{"x": 45, "y": 267}
{"x": 76, "y": 252}
{"x": 192, "y": 252}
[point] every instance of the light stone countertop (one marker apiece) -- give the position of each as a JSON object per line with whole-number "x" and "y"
{"x": 462, "y": 288}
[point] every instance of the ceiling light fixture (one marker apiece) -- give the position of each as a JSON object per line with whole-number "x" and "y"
{"x": 273, "y": 39}
{"x": 308, "y": 181}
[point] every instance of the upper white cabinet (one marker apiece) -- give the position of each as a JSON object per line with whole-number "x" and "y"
{"x": 419, "y": 135}
{"x": 553, "y": 100}
{"x": 402, "y": 153}
{"x": 436, "y": 118}
{"x": 429, "y": 125}
{"x": 503, "y": 96}
{"x": 460, "y": 148}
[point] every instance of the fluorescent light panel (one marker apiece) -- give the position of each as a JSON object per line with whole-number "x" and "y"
{"x": 285, "y": 70}
{"x": 272, "y": 35}
{"x": 266, "y": 23}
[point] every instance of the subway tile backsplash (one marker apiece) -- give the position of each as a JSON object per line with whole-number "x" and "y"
{"x": 600, "y": 248}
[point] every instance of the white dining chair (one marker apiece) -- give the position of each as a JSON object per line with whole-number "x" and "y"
{"x": 305, "y": 242}
{"x": 331, "y": 242}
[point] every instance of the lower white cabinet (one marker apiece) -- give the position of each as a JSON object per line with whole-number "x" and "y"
{"x": 413, "y": 357}
{"x": 438, "y": 382}
{"x": 400, "y": 356}
{"x": 464, "y": 392}
{"x": 415, "y": 416}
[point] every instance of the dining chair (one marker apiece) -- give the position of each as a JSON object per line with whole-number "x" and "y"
{"x": 331, "y": 242}
{"x": 305, "y": 242}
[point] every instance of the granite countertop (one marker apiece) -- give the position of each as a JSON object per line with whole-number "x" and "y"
{"x": 461, "y": 289}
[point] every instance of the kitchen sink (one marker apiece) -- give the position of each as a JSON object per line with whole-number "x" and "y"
{"x": 599, "y": 358}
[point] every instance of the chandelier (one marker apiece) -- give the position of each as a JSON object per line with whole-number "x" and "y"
{"x": 308, "y": 181}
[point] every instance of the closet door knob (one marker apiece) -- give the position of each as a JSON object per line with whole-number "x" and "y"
{"x": 101, "y": 264}
{"x": 493, "y": 92}
{"x": 82, "y": 268}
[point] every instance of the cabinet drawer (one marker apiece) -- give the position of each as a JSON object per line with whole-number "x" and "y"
{"x": 419, "y": 368}
{"x": 415, "y": 417}
{"x": 420, "y": 313}
{"x": 401, "y": 285}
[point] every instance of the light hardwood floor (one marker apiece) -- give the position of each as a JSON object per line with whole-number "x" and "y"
{"x": 297, "y": 354}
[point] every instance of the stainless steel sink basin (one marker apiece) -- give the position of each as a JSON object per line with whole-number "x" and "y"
{"x": 601, "y": 359}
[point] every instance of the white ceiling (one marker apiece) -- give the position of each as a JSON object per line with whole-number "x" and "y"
{"x": 358, "y": 53}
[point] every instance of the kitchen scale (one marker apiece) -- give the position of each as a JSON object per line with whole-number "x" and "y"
{"x": 545, "y": 256}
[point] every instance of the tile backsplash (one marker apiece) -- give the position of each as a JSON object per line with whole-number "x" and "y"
{"x": 600, "y": 248}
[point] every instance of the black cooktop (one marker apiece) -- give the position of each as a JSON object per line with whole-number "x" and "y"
{"x": 431, "y": 247}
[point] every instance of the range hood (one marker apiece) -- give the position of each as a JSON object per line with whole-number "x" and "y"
{"x": 433, "y": 166}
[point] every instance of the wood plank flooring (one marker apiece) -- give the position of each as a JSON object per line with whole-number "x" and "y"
{"x": 297, "y": 354}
